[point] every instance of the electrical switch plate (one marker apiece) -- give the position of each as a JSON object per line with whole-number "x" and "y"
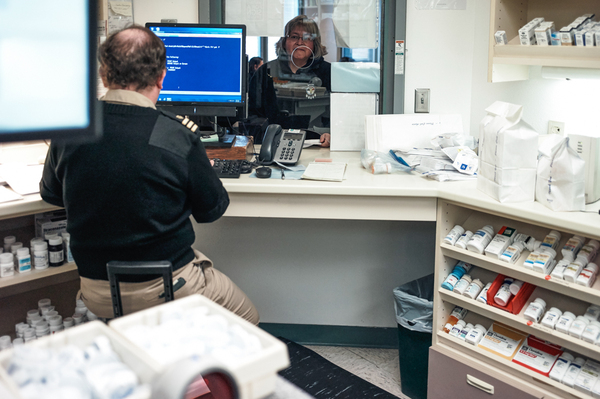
{"x": 168, "y": 21}
{"x": 422, "y": 100}
{"x": 555, "y": 127}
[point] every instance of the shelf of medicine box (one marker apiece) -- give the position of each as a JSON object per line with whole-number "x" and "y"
{"x": 24, "y": 282}
{"x": 564, "y": 303}
{"x": 511, "y": 62}
{"x": 471, "y": 219}
{"x": 520, "y": 372}
{"x": 518, "y": 271}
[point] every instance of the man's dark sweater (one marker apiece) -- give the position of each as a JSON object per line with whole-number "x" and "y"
{"x": 129, "y": 196}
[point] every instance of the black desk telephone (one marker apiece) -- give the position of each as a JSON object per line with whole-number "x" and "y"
{"x": 282, "y": 146}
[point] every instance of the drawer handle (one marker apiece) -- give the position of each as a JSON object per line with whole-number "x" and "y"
{"x": 477, "y": 383}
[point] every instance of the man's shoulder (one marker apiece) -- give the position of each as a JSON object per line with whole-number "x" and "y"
{"x": 179, "y": 120}
{"x": 174, "y": 133}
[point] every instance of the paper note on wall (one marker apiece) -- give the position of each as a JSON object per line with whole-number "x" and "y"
{"x": 407, "y": 131}
{"x": 261, "y": 17}
{"x": 356, "y": 24}
{"x": 120, "y": 15}
{"x": 121, "y": 8}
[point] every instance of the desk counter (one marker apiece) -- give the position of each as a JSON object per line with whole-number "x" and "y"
{"x": 365, "y": 196}
{"x": 361, "y": 196}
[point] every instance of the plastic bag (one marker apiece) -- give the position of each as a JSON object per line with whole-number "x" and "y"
{"x": 560, "y": 176}
{"x": 508, "y": 151}
{"x": 381, "y": 163}
{"x": 414, "y": 304}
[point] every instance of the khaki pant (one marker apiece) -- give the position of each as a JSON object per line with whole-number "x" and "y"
{"x": 200, "y": 276}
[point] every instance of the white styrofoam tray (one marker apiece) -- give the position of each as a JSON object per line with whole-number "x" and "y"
{"x": 255, "y": 374}
{"x": 81, "y": 336}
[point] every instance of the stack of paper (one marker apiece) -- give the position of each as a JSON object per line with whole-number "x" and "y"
{"x": 446, "y": 162}
{"x": 402, "y": 132}
{"x": 327, "y": 171}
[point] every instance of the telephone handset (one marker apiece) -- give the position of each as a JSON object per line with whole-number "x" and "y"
{"x": 281, "y": 146}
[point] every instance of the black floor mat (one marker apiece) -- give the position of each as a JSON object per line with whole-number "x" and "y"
{"x": 323, "y": 379}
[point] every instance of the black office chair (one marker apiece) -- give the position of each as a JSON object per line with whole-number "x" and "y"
{"x": 117, "y": 268}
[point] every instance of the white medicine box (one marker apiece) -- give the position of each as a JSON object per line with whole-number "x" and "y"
{"x": 256, "y": 373}
{"x": 82, "y": 336}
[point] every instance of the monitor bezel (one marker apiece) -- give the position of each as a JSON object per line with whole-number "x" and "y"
{"x": 94, "y": 128}
{"x": 202, "y": 108}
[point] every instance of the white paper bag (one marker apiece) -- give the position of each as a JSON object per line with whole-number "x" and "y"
{"x": 560, "y": 176}
{"x": 508, "y": 149}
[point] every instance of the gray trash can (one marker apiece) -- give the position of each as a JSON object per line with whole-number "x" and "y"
{"x": 413, "y": 302}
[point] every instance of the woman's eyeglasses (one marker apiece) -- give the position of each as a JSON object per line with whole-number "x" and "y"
{"x": 307, "y": 37}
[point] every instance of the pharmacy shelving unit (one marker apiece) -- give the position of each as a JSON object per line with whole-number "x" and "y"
{"x": 19, "y": 293}
{"x": 511, "y": 62}
{"x": 566, "y": 296}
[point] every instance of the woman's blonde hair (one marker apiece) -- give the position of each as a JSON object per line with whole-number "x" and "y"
{"x": 309, "y": 26}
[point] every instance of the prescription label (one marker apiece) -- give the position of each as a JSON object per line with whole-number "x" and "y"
{"x": 502, "y": 341}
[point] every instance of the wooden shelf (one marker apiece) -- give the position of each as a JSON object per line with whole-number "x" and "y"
{"x": 586, "y": 294}
{"x": 554, "y": 56}
{"x": 520, "y": 323}
{"x": 525, "y": 374}
{"x": 561, "y": 294}
{"x": 34, "y": 279}
{"x": 29, "y": 205}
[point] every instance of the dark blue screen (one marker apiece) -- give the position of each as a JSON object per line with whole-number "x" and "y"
{"x": 204, "y": 64}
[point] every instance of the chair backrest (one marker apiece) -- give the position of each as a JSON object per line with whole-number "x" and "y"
{"x": 117, "y": 268}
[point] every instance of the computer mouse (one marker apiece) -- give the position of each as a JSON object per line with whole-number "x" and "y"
{"x": 263, "y": 172}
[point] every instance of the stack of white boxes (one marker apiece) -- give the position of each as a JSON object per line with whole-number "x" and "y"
{"x": 576, "y": 33}
{"x": 527, "y": 32}
{"x": 583, "y": 31}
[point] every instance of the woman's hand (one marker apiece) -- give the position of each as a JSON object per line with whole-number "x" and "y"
{"x": 325, "y": 140}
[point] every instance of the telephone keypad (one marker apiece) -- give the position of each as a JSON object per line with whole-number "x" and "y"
{"x": 289, "y": 149}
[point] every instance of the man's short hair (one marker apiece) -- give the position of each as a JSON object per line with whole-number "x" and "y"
{"x": 132, "y": 56}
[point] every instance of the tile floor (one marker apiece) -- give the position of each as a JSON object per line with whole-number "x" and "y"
{"x": 378, "y": 366}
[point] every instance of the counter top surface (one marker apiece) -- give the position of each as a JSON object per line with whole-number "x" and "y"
{"x": 361, "y": 183}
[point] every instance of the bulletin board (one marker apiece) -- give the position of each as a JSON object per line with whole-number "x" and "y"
{"x": 120, "y": 15}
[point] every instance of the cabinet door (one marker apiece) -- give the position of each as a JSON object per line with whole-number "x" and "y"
{"x": 448, "y": 377}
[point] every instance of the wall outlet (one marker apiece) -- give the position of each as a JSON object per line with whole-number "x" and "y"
{"x": 555, "y": 127}
{"x": 422, "y": 97}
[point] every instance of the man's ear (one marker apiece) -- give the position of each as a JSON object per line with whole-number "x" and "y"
{"x": 102, "y": 73}
{"x": 160, "y": 81}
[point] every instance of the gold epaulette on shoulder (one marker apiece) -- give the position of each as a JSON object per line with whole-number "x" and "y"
{"x": 185, "y": 121}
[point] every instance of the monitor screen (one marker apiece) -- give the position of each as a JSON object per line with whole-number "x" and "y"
{"x": 206, "y": 68}
{"x": 48, "y": 69}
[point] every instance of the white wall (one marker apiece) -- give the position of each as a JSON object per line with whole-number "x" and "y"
{"x": 185, "y": 11}
{"x": 447, "y": 52}
{"x": 324, "y": 272}
{"x": 439, "y": 53}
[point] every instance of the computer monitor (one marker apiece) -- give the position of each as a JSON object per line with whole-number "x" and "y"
{"x": 206, "y": 69}
{"x": 48, "y": 70}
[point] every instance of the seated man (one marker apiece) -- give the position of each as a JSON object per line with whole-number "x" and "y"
{"x": 130, "y": 194}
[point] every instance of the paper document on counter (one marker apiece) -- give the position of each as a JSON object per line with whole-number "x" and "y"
{"x": 23, "y": 179}
{"x": 407, "y": 131}
{"x": 326, "y": 171}
{"x": 7, "y": 195}
{"x": 311, "y": 142}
